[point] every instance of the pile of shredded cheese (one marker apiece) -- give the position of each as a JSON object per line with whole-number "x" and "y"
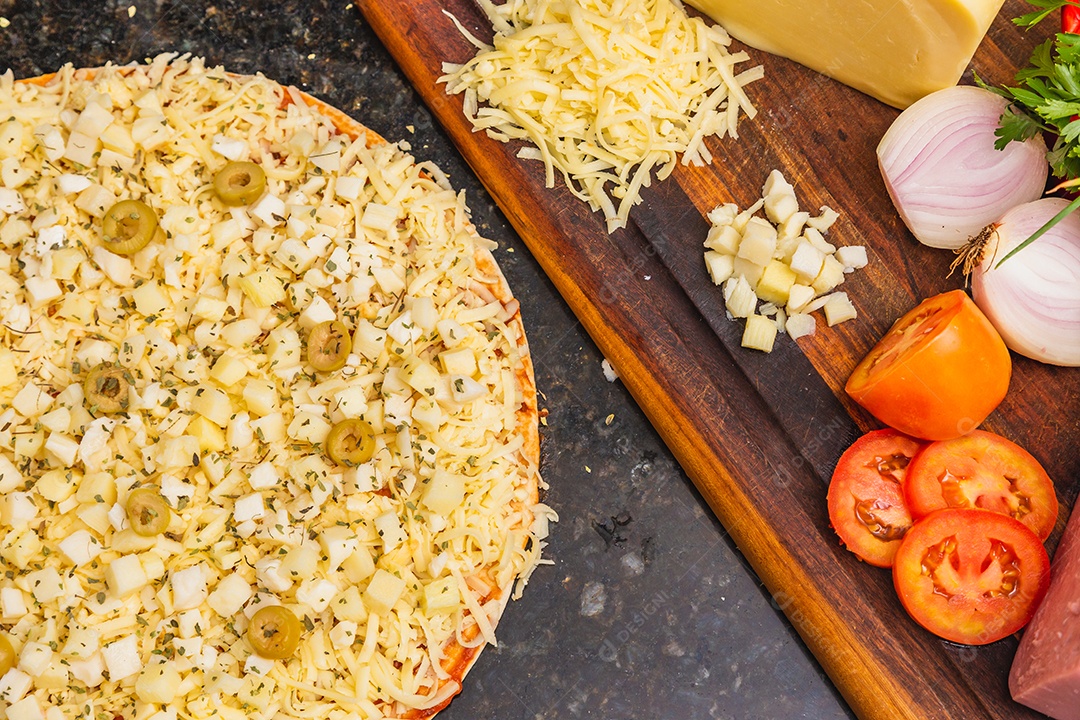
{"x": 605, "y": 90}
{"x": 386, "y": 564}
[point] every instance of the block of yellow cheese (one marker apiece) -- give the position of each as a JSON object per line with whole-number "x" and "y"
{"x": 894, "y": 50}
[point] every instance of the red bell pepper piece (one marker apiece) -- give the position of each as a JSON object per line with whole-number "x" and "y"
{"x": 1070, "y": 17}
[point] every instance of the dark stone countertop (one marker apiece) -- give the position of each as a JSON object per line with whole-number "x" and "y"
{"x": 649, "y": 611}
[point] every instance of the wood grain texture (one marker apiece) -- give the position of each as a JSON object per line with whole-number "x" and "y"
{"x": 758, "y": 434}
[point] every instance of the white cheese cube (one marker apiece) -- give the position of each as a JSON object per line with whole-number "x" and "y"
{"x": 442, "y": 595}
{"x": 269, "y": 429}
{"x": 64, "y": 447}
{"x": 249, "y": 507}
{"x": 189, "y": 587}
{"x": 723, "y": 239}
{"x": 343, "y": 634}
{"x": 10, "y": 476}
{"x": 51, "y": 141}
{"x": 116, "y": 267}
{"x": 317, "y": 311}
{"x": 444, "y": 492}
{"x": 69, "y": 183}
{"x": 359, "y": 566}
{"x": 316, "y": 593}
{"x": 89, "y": 670}
{"x": 295, "y": 255}
{"x": 213, "y": 404}
{"x": 464, "y": 389}
{"x": 852, "y": 257}
{"x": 229, "y": 148}
{"x": 230, "y": 595}
{"x": 179, "y": 452}
{"x": 122, "y": 658}
{"x": 45, "y": 584}
{"x": 328, "y": 157}
{"x": 758, "y": 241}
{"x": 389, "y": 529}
{"x": 807, "y": 261}
{"x": 349, "y": 187}
{"x": 383, "y": 592}
{"x": 82, "y": 642}
{"x": 158, "y": 683}
{"x": 799, "y": 296}
{"x": 93, "y": 120}
{"x": 80, "y": 149}
{"x": 309, "y": 427}
{"x": 825, "y": 220}
{"x": 151, "y": 131}
{"x": 257, "y": 665}
{"x": 80, "y": 547}
{"x": 260, "y": 397}
{"x": 125, "y": 575}
{"x": 739, "y": 297}
{"x": 720, "y": 266}
{"x": 35, "y": 658}
{"x": 12, "y": 602}
{"x": 190, "y": 623}
{"x": 17, "y": 509}
{"x": 780, "y": 206}
{"x": 831, "y": 275}
{"x": 838, "y": 309}
{"x": 117, "y": 138}
{"x": 268, "y": 572}
{"x": 269, "y": 209}
{"x": 14, "y": 685}
{"x": 337, "y": 543}
{"x": 351, "y": 402}
{"x": 264, "y": 476}
{"x": 759, "y": 333}
{"x": 26, "y": 709}
{"x": 11, "y": 201}
{"x": 800, "y": 325}
{"x": 31, "y": 401}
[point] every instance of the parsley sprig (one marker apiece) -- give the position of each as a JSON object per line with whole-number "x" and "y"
{"x": 1046, "y": 99}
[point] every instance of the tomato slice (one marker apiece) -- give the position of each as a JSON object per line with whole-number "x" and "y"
{"x": 938, "y": 372}
{"x": 985, "y": 471}
{"x": 971, "y": 576}
{"x": 866, "y": 495}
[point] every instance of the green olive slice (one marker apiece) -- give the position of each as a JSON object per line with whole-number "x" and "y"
{"x": 7, "y": 655}
{"x": 328, "y": 346}
{"x": 351, "y": 442}
{"x": 147, "y": 512}
{"x": 106, "y": 388}
{"x": 240, "y": 183}
{"x": 274, "y": 632}
{"x": 128, "y": 226}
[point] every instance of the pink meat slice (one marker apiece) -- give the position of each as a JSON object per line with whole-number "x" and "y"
{"x": 1045, "y": 673}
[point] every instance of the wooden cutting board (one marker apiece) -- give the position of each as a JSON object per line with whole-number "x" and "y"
{"x": 760, "y": 434}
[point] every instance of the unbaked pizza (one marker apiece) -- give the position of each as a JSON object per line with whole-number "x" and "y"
{"x": 268, "y": 425}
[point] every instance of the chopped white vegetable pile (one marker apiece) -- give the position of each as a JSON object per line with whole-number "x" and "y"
{"x": 385, "y": 563}
{"x": 606, "y": 92}
{"x": 781, "y": 260}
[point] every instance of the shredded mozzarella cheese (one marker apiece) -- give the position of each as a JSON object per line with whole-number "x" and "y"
{"x": 606, "y": 92}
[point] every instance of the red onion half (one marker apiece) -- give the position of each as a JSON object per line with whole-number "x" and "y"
{"x": 943, "y": 173}
{"x": 1033, "y": 298}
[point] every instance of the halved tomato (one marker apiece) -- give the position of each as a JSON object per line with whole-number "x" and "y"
{"x": 971, "y": 576}
{"x": 866, "y": 495}
{"x": 937, "y": 373}
{"x": 985, "y": 471}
